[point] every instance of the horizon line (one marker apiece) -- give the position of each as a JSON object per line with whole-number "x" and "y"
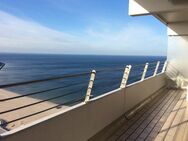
{"x": 27, "y": 53}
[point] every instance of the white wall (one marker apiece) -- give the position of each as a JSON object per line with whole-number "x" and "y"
{"x": 178, "y": 48}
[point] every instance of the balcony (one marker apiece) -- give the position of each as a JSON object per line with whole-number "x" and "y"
{"x": 142, "y": 102}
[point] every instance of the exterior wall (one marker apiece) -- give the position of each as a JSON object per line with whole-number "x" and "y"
{"x": 83, "y": 121}
{"x": 178, "y": 49}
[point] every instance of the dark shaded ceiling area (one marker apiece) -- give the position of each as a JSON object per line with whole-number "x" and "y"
{"x": 179, "y": 2}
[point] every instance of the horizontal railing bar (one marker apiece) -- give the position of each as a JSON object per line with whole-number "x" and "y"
{"x": 104, "y": 88}
{"x": 105, "y": 70}
{"x": 61, "y": 77}
{"x": 136, "y": 76}
{"x": 138, "y": 65}
{"x": 135, "y": 73}
{"x": 135, "y": 79}
{"x": 42, "y": 101}
{"x": 36, "y": 113}
{"x": 99, "y": 83}
{"x": 116, "y": 69}
{"x": 38, "y": 92}
{"x": 162, "y": 63}
{"x": 107, "y": 78}
{"x": 152, "y": 63}
{"x": 139, "y": 74}
{"x": 43, "y": 80}
{"x": 137, "y": 70}
{"x": 161, "y": 67}
{"x": 43, "y": 91}
{"x": 151, "y": 67}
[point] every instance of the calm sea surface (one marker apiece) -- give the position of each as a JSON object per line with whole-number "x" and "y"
{"x": 25, "y": 67}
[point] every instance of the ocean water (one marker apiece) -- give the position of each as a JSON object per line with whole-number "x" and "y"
{"x": 26, "y": 67}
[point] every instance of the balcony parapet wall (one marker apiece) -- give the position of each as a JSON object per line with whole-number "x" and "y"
{"x": 84, "y": 120}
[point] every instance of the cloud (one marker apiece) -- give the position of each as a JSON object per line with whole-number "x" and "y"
{"x": 131, "y": 38}
{"x": 18, "y": 35}
{"x": 25, "y": 36}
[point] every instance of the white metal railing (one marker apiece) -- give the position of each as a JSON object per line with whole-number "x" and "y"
{"x": 86, "y": 97}
{"x": 125, "y": 77}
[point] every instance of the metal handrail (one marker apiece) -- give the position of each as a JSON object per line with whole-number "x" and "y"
{"x": 44, "y": 80}
{"x": 42, "y": 111}
{"x": 106, "y": 83}
{"x": 91, "y": 85}
{"x": 42, "y": 91}
{"x": 57, "y": 78}
{"x": 42, "y": 101}
{"x": 65, "y": 76}
{"x": 109, "y": 70}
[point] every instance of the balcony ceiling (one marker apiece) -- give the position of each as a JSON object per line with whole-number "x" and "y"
{"x": 169, "y": 11}
{"x": 174, "y": 17}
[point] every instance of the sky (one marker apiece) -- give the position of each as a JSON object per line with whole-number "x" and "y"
{"x": 98, "y": 27}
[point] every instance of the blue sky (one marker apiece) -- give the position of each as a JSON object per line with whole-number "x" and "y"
{"x": 78, "y": 27}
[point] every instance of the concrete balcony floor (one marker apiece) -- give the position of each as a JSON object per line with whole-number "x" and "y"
{"x": 163, "y": 118}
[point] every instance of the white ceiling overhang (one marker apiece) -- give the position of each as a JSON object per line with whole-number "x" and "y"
{"x": 173, "y": 13}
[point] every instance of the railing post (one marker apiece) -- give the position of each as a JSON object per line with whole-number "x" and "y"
{"x": 125, "y": 76}
{"x": 164, "y": 67}
{"x": 156, "y": 68}
{"x": 145, "y": 71}
{"x": 90, "y": 86}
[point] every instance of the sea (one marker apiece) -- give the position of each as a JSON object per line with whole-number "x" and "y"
{"x": 28, "y": 67}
